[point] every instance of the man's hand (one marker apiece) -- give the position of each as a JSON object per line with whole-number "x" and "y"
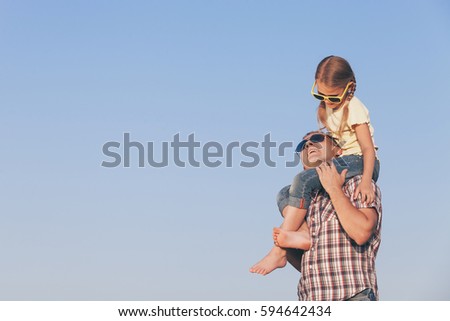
{"x": 358, "y": 223}
{"x": 329, "y": 176}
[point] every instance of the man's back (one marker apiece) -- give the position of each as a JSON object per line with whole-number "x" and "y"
{"x": 336, "y": 267}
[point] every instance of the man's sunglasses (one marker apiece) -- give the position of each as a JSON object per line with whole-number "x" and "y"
{"x": 332, "y": 99}
{"x": 316, "y": 138}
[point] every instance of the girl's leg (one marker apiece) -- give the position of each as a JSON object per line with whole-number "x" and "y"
{"x": 293, "y": 217}
{"x": 296, "y": 239}
{"x": 299, "y": 239}
{"x": 304, "y": 185}
{"x": 355, "y": 165}
{"x": 276, "y": 258}
{"x": 283, "y": 198}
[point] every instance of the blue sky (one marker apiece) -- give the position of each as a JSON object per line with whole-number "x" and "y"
{"x": 76, "y": 75}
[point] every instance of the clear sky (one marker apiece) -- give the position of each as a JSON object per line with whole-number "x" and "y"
{"x": 77, "y": 74}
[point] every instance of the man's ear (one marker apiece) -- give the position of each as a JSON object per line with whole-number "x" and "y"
{"x": 338, "y": 151}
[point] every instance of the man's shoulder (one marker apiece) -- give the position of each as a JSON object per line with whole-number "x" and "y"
{"x": 353, "y": 182}
{"x": 349, "y": 190}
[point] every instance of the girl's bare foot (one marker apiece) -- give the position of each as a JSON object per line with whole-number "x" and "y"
{"x": 291, "y": 239}
{"x": 275, "y": 259}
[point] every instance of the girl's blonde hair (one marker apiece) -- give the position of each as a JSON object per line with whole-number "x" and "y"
{"x": 335, "y": 71}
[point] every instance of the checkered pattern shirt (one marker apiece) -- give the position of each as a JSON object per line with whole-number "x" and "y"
{"x": 335, "y": 267}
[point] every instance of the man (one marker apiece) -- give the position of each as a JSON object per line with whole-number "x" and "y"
{"x": 343, "y": 237}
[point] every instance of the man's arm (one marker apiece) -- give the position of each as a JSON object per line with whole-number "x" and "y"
{"x": 359, "y": 224}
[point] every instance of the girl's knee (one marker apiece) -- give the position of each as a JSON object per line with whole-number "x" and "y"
{"x": 304, "y": 183}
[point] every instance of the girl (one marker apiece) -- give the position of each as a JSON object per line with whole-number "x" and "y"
{"x": 347, "y": 120}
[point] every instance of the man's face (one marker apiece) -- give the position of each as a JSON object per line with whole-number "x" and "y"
{"x": 314, "y": 153}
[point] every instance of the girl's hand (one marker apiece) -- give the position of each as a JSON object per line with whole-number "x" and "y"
{"x": 366, "y": 190}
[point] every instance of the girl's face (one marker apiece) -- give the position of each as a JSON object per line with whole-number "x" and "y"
{"x": 330, "y": 91}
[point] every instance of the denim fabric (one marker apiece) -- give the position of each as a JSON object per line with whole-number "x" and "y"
{"x": 307, "y": 183}
{"x": 283, "y": 198}
{"x": 365, "y": 295}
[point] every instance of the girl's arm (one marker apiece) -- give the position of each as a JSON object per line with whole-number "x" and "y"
{"x": 368, "y": 150}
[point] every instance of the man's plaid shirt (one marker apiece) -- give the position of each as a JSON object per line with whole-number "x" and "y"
{"x": 335, "y": 267}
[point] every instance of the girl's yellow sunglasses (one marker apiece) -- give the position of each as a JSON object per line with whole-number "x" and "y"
{"x": 331, "y": 99}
